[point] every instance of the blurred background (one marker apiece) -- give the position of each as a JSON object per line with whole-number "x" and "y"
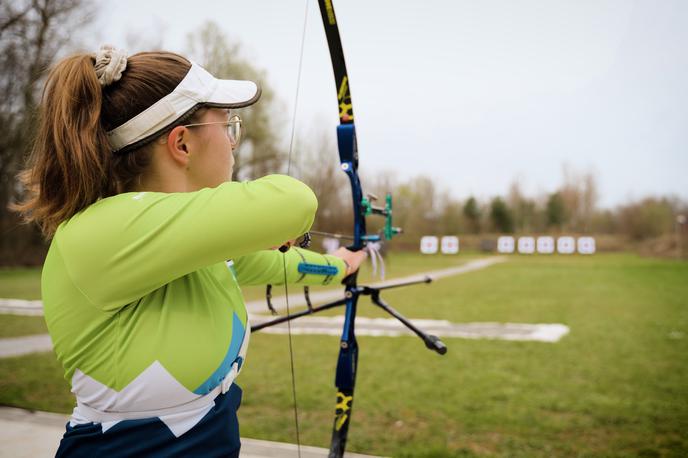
{"x": 483, "y": 119}
{"x": 480, "y": 117}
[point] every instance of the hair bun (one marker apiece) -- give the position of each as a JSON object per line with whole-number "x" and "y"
{"x": 110, "y": 62}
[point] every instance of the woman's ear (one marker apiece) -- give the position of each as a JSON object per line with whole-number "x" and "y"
{"x": 177, "y": 146}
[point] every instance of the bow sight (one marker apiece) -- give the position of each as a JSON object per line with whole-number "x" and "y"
{"x": 389, "y": 230}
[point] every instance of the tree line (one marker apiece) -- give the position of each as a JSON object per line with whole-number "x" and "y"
{"x": 34, "y": 33}
{"x": 423, "y": 208}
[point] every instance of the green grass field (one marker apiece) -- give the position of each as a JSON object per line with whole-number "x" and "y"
{"x": 617, "y": 385}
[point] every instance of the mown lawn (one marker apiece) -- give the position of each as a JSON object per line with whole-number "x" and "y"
{"x": 16, "y": 325}
{"x": 20, "y": 283}
{"x": 617, "y": 385}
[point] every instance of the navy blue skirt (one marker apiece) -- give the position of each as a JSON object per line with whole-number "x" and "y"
{"x": 216, "y": 435}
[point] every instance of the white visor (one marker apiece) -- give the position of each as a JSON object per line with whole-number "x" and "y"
{"x": 197, "y": 88}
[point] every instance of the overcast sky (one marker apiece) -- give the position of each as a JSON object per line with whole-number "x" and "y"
{"x": 474, "y": 94}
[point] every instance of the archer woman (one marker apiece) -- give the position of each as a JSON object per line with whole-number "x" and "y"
{"x": 129, "y": 177}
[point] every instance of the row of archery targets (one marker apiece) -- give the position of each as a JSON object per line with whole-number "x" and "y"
{"x": 507, "y": 244}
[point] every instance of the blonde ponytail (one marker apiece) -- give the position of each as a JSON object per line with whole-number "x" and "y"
{"x": 71, "y": 164}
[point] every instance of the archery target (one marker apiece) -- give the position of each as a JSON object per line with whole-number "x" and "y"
{"x": 450, "y": 244}
{"x": 526, "y": 245}
{"x": 505, "y": 244}
{"x": 566, "y": 245}
{"x": 429, "y": 244}
{"x": 586, "y": 245}
{"x": 545, "y": 245}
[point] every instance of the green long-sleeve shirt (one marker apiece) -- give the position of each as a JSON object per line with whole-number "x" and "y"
{"x": 142, "y": 309}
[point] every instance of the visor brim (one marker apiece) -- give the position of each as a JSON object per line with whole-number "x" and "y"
{"x": 233, "y": 94}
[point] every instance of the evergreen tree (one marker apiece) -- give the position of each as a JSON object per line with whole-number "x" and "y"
{"x": 472, "y": 213}
{"x": 555, "y": 210}
{"x": 501, "y": 217}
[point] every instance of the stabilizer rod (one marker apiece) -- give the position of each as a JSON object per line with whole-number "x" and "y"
{"x": 432, "y": 342}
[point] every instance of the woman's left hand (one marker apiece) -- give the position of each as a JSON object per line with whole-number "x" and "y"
{"x": 353, "y": 259}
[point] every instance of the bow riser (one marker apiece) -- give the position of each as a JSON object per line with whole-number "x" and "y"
{"x": 348, "y": 157}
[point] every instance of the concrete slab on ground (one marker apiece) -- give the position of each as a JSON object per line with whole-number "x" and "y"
{"x": 18, "y": 346}
{"x": 31, "y": 434}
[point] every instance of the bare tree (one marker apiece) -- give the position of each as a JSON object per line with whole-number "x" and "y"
{"x": 580, "y": 196}
{"x": 523, "y": 210}
{"x": 32, "y": 33}
{"x": 416, "y": 207}
{"x": 589, "y": 200}
{"x": 451, "y": 216}
{"x": 317, "y": 166}
{"x": 260, "y": 153}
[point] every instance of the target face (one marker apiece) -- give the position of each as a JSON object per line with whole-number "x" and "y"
{"x": 450, "y": 244}
{"x": 505, "y": 244}
{"x": 526, "y": 245}
{"x": 566, "y": 245}
{"x": 545, "y": 245}
{"x": 586, "y": 245}
{"x": 429, "y": 244}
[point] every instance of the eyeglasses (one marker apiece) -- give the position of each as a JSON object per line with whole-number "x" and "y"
{"x": 233, "y": 126}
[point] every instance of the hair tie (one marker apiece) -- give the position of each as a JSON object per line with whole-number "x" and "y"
{"x": 110, "y": 62}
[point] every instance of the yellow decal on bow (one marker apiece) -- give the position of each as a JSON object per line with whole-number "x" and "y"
{"x": 330, "y": 12}
{"x": 341, "y": 409}
{"x": 345, "y": 106}
{"x": 343, "y": 88}
{"x": 340, "y": 420}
